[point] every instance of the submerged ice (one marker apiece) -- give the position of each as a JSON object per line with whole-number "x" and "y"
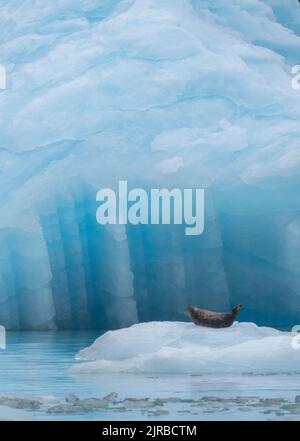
{"x": 183, "y": 348}
{"x": 175, "y": 93}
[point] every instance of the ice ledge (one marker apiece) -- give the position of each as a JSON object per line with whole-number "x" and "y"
{"x": 183, "y": 348}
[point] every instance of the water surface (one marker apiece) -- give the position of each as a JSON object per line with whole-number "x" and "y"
{"x": 36, "y": 364}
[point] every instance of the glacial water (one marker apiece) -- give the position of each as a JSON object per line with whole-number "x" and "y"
{"x": 36, "y": 364}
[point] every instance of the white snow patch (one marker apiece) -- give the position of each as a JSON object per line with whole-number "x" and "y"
{"x": 171, "y": 165}
{"x": 183, "y": 348}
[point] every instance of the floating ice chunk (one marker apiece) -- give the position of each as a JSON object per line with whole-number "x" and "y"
{"x": 76, "y": 405}
{"x": 66, "y": 408}
{"x": 14, "y": 408}
{"x": 135, "y": 403}
{"x": 111, "y": 398}
{"x": 72, "y": 399}
{"x": 20, "y": 406}
{"x": 21, "y": 403}
{"x": 182, "y": 348}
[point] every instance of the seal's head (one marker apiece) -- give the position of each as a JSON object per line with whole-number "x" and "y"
{"x": 237, "y": 309}
{"x": 188, "y": 311}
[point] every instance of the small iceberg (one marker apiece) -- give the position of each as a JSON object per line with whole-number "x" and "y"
{"x": 183, "y": 348}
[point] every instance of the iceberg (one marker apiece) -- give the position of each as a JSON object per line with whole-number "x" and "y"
{"x": 173, "y": 93}
{"x": 183, "y": 348}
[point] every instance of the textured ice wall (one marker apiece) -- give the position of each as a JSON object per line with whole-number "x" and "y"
{"x": 162, "y": 93}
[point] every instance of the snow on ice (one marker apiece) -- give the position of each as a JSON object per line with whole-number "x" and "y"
{"x": 183, "y": 348}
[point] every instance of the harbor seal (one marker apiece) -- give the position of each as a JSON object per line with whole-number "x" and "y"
{"x": 211, "y": 319}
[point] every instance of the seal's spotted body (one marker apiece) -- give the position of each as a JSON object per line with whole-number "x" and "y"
{"x": 211, "y": 319}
